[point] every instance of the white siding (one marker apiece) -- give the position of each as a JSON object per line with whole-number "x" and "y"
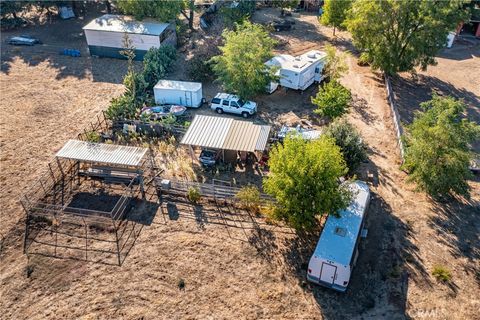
{"x": 115, "y": 39}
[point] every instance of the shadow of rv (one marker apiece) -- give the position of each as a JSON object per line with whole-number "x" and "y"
{"x": 379, "y": 284}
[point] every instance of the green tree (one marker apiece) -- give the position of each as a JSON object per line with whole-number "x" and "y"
{"x": 332, "y": 100}
{"x": 238, "y": 13}
{"x": 398, "y": 36}
{"x": 336, "y": 64}
{"x": 285, "y": 4}
{"x": 156, "y": 63}
{"x": 437, "y": 148}
{"x": 160, "y": 10}
{"x": 335, "y": 13}
{"x": 353, "y": 149}
{"x": 304, "y": 179}
{"x": 241, "y": 66}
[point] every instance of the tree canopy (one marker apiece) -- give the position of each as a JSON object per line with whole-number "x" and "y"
{"x": 336, "y": 64}
{"x": 159, "y": 10}
{"x": 335, "y": 13}
{"x": 437, "y": 153}
{"x": 241, "y": 65}
{"x": 304, "y": 179}
{"x": 398, "y": 36}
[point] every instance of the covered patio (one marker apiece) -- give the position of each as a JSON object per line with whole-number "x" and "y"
{"x": 227, "y": 135}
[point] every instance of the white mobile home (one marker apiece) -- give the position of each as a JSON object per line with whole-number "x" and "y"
{"x": 105, "y": 35}
{"x": 300, "y": 72}
{"x": 188, "y": 94}
{"x": 337, "y": 250}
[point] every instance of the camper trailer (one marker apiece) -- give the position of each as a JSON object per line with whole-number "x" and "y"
{"x": 300, "y": 72}
{"x": 188, "y": 94}
{"x": 337, "y": 250}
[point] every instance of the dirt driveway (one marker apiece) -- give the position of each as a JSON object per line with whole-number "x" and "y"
{"x": 241, "y": 267}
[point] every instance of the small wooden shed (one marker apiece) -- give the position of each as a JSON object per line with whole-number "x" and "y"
{"x": 105, "y": 35}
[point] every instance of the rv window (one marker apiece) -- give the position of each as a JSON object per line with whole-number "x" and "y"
{"x": 225, "y": 102}
{"x": 339, "y": 231}
{"x": 317, "y": 70}
{"x": 216, "y": 101}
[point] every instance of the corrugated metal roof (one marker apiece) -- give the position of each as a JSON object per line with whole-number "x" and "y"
{"x": 226, "y": 133}
{"x": 118, "y": 23}
{"x": 207, "y": 132}
{"x": 242, "y": 136}
{"x": 102, "y": 153}
{"x": 262, "y": 138}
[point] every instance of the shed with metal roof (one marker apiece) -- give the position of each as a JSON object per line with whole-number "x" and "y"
{"x": 106, "y": 34}
{"x": 226, "y": 134}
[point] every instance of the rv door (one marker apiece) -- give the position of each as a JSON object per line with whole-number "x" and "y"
{"x": 327, "y": 273}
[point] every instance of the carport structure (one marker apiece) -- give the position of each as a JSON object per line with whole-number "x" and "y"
{"x": 226, "y": 134}
{"x": 86, "y": 185}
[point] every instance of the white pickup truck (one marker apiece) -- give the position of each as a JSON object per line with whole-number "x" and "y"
{"x": 229, "y": 103}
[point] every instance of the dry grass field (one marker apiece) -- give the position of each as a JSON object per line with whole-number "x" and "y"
{"x": 208, "y": 262}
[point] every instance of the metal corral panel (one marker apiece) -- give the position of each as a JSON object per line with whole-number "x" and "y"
{"x": 339, "y": 235}
{"x": 207, "y": 132}
{"x": 262, "y": 138}
{"x": 102, "y": 153}
{"x": 242, "y": 136}
{"x": 125, "y": 24}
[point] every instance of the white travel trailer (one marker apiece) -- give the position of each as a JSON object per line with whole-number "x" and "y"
{"x": 300, "y": 72}
{"x": 188, "y": 94}
{"x": 337, "y": 250}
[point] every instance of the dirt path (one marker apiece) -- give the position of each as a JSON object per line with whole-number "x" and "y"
{"x": 432, "y": 235}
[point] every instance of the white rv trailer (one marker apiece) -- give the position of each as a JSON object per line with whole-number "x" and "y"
{"x": 337, "y": 250}
{"x": 184, "y": 93}
{"x": 300, "y": 72}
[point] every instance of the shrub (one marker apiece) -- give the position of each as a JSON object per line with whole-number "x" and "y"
{"x": 92, "y": 136}
{"x": 181, "y": 284}
{"x": 351, "y": 145}
{"x": 336, "y": 65}
{"x": 199, "y": 68}
{"x": 156, "y": 63}
{"x": 249, "y": 198}
{"x": 193, "y": 195}
{"x": 442, "y": 273}
{"x": 122, "y": 107}
{"x": 29, "y": 270}
{"x": 332, "y": 100}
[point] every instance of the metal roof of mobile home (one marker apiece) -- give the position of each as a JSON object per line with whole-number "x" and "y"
{"x": 102, "y": 153}
{"x": 339, "y": 246}
{"x": 118, "y": 23}
{"x": 226, "y": 133}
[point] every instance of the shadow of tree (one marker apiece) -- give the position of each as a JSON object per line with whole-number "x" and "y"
{"x": 456, "y": 224}
{"x": 379, "y": 284}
